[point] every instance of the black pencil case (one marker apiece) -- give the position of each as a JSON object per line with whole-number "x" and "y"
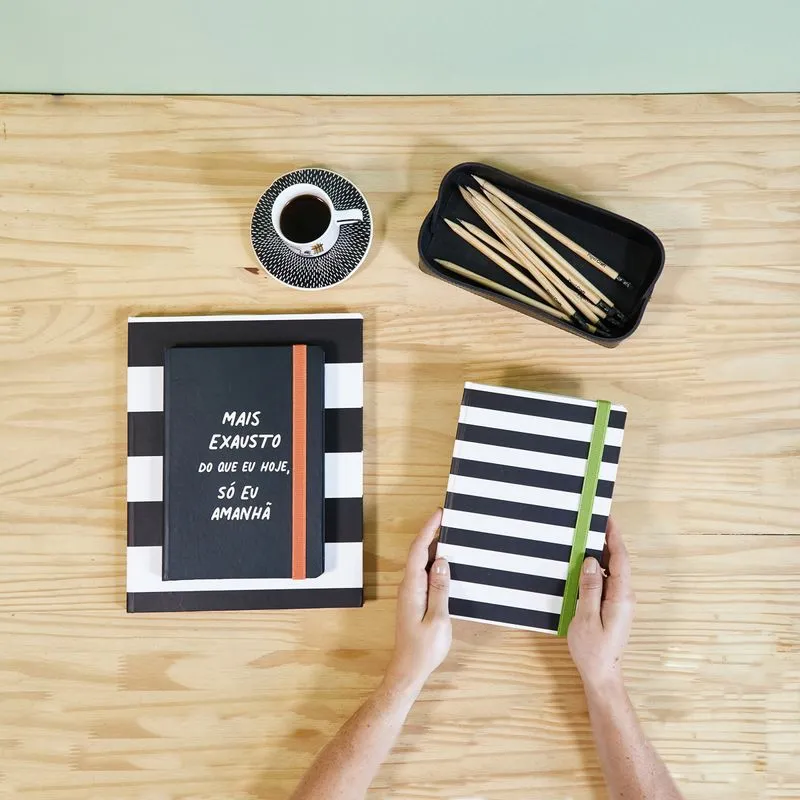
{"x": 630, "y": 248}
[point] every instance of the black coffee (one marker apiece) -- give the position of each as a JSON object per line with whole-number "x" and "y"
{"x": 305, "y": 218}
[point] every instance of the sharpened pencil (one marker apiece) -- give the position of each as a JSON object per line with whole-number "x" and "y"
{"x": 555, "y": 261}
{"x": 489, "y": 239}
{"x": 576, "y": 317}
{"x": 504, "y": 290}
{"x": 593, "y": 308}
{"x": 495, "y": 224}
{"x": 554, "y": 232}
{"x": 507, "y": 267}
{"x": 530, "y": 260}
{"x": 492, "y": 241}
{"x": 546, "y": 252}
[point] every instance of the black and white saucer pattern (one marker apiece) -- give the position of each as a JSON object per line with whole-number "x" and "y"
{"x": 341, "y": 261}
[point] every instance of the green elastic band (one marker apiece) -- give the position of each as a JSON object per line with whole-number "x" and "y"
{"x": 584, "y": 514}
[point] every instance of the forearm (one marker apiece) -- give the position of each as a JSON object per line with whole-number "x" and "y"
{"x": 632, "y": 768}
{"x": 345, "y": 768}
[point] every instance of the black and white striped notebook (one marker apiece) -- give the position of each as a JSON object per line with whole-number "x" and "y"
{"x": 341, "y": 584}
{"x": 532, "y": 475}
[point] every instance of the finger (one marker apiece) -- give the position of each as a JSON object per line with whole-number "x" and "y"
{"x": 591, "y": 590}
{"x": 618, "y": 585}
{"x": 438, "y": 589}
{"x": 413, "y": 593}
{"x": 418, "y": 554}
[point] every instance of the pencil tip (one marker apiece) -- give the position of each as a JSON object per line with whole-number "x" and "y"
{"x": 489, "y": 189}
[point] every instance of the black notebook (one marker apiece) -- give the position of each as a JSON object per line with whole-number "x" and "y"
{"x": 244, "y": 459}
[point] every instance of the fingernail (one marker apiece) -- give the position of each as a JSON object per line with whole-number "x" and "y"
{"x": 589, "y": 566}
{"x": 440, "y": 566}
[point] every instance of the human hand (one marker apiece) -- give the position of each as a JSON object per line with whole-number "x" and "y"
{"x": 423, "y": 632}
{"x": 599, "y": 632}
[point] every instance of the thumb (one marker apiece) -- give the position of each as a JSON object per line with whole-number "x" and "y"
{"x": 591, "y": 589}
{"x": 438, "y": 589}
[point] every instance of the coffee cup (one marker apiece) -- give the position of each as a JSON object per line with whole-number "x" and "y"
{"x": 306, "y": 221}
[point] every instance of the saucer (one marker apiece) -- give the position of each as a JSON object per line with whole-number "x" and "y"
{"x": 335, "y": 266}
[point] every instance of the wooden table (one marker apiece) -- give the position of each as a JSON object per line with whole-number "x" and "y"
{"x": 118, "y": 206}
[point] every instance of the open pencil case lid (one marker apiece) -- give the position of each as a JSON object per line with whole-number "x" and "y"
{"x": 630, "y": 248}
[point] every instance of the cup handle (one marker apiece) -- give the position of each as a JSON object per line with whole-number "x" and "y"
{"x": 351, "y": 215}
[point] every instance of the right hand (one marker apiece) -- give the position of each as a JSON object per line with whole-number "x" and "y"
{"x": 599, "y": 631}
{"x": 423, "y": 633}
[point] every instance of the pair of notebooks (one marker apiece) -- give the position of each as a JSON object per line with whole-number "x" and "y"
{"x": 245, "y": 462}
{"x": 528, "y": 498}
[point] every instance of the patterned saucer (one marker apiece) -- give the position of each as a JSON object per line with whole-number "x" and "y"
{"x": 335, "y": 266}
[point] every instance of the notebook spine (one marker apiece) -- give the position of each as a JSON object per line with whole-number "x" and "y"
{"x": 299, "y": 457}
{"x": 454, "y": 463}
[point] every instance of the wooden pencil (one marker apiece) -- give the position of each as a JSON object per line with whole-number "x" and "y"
{"x": 486, "y": 213}
{"x": 507, "y": 267}
{"x": 548, "y": 253}
{"x": 575, "y": 317}
{"x": 557, "y": 262}
{"x": 523, "y": 254}
{"x": 500, "y": 289}
{"x": 488, "y": 239}
{"x": 540, "y": 270}
{"x": 492, "y": 241}
{"x": 554, "y": 232}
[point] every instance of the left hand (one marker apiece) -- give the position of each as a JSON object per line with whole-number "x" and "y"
{"x": 423, "y": 631}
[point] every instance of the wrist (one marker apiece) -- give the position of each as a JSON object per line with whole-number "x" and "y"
{"x": 402, "y": 683}
{"x": 608, "y": 687}
{"x": 398, "y": 694}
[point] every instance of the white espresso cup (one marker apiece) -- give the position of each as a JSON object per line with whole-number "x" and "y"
{"x": 305, "y": 212}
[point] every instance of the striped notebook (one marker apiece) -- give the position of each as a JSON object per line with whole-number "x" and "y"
{"x": 528, "y": 498}
{"x": 341, "y": 584}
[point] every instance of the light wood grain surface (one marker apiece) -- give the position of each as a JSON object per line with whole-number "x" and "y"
{"x": 111, "y": 207}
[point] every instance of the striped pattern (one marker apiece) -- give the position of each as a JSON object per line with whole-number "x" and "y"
{"x": 512, "y": 502}
{"x": 341, "y": 585}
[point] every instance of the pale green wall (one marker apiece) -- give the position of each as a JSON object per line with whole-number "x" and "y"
{"x": 401, "y": 47}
